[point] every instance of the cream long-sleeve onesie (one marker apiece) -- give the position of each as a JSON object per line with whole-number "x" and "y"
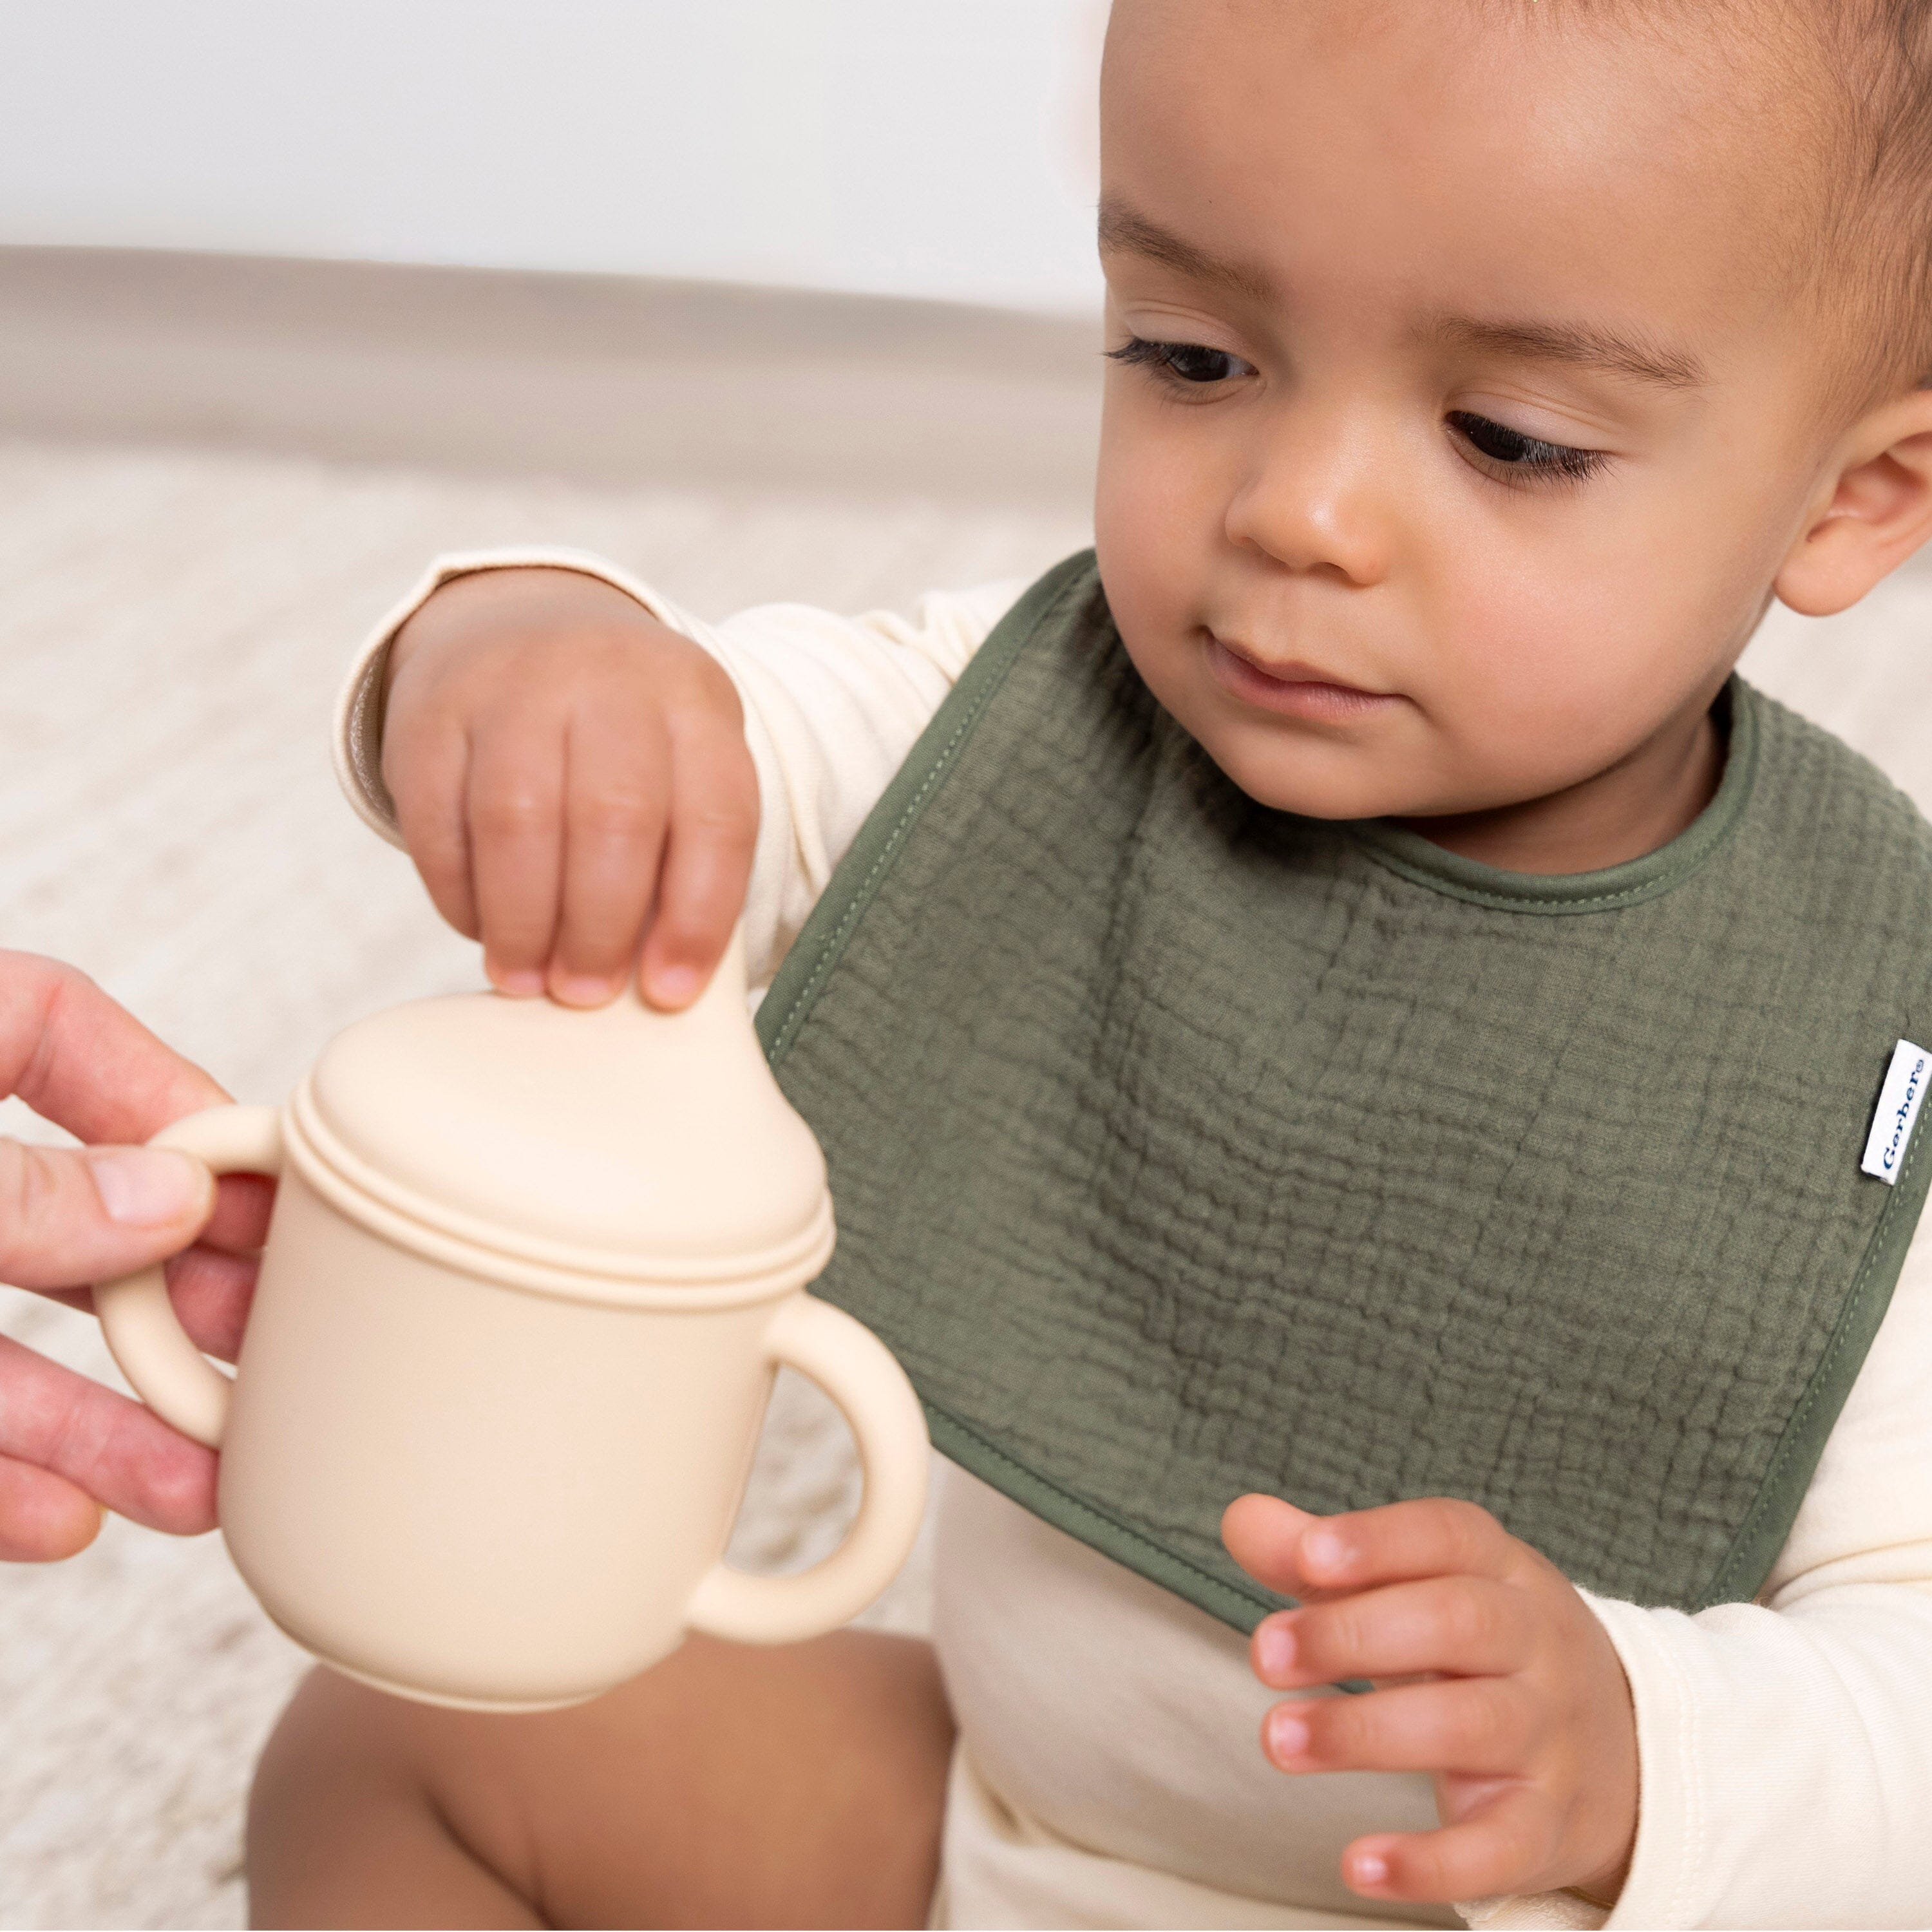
{"x": 1108, "y": 1771}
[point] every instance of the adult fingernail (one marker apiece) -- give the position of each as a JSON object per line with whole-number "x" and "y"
{"x": 1371, "y": 1868}
{"x": 147, "y": 1187}
{"x": 524, "y": 985}
{"x": 1287, "y": 1735}
{"x": 1274, "y": 1650}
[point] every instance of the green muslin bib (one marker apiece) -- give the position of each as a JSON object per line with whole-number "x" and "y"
{"x": 1182, "y": 1148}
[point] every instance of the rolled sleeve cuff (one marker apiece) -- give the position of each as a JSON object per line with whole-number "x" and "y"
{"x": 359, "y": 710}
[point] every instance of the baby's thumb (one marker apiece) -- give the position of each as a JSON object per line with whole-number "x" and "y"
{"x": 71, "y": 1216}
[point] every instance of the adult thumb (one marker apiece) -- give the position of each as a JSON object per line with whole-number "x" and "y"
{"x": 71, "y": 1216}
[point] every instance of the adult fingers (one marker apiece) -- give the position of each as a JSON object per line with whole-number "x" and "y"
{"x": 1469, "y": 1724}
{"x": 426, "y": 766}
{"x": 517, "y": 780}
{"x": 240, "y": 1223}
{"x": 78, "y": 1058}
{"x": 43, "y": 1518}
{"x": 112, "y": 1449}
{"x": 617, "y": 797}
{"x": 1509, "y": 1846}
{"x": 1463, "y": 1625}
{"x": 714, "y": 831}
{"x": 212, "y": 1292}
{"x": 70, "y": 1215}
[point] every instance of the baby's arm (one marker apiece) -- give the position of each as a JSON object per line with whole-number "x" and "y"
{"x": 828, "y": 706}
{"x": 1784, "y": 1747}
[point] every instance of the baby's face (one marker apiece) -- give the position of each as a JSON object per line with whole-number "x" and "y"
{"x": 1463, "y": 412}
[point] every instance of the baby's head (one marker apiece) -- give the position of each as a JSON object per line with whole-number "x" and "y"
{"x": 1503, "y": 359}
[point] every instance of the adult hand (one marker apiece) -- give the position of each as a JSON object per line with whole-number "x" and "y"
{"x": 1490, "y": 1670}
{"x": 69, "y": 1216}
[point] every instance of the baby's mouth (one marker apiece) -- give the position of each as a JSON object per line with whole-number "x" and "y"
{"x": 1291, "y": 688}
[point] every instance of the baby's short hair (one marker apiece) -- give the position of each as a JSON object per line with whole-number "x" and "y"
{"x": 1878, "y": 200}
{"x": 1853, "y": 80}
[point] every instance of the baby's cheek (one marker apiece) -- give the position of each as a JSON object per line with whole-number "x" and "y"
{"x": 1533, "y": 686}
{"x": 1153, "y": 593}
{"x": 1158, "y": 510}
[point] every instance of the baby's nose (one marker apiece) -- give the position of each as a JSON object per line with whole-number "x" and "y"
{"x": 1311, "y": 499}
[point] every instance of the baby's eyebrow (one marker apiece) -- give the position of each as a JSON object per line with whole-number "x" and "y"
{"x": 1123, "y": 231}
{"x": 1579, "y": 342}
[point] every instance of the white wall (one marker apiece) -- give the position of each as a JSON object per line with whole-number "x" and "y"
{"x": 935, "y": 148}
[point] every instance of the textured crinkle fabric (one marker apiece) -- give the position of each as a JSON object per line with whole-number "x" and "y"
{"x": 1184, "y": 1147}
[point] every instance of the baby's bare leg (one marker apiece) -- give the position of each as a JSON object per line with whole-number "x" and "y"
{"x": 799, "y": 1786}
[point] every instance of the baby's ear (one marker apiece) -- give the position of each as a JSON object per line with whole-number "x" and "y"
{"x": 1879, "y": 511}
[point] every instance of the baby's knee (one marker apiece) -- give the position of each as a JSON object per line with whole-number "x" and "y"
{"x": 345, "y": 1809}
{"x": 334, "y": 1740}
{"x": 328, "y": 1755}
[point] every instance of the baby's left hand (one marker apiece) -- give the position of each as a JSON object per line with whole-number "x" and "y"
{"x": 1490, "y": 1672}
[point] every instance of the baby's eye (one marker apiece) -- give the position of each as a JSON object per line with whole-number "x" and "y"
{"x": 1192, "y": 362}
{"x": 1527, "y": 454}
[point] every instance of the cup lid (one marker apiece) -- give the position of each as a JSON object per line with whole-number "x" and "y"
{"x": 631, "y": 1140}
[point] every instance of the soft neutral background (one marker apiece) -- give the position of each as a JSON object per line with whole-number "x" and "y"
{"x": 943, "y": 148}
{"x": 217, "y": 468}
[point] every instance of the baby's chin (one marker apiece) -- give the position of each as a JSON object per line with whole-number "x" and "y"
{"x": 1313, "y": 773}
{"x": 1314, "y": 780}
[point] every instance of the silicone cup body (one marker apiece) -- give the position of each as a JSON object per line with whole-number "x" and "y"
{"x": 472, "y": 1493}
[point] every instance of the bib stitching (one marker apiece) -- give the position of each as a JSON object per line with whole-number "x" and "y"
{"x": 1081, "y": 1507}
{"x": 1719, "y": 822}
{"x": 1502, "y": 902}
{"x": 835, "y": 941}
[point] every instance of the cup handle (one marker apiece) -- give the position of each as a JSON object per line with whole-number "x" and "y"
{"x": 858, "y": 1372}
{"x": 144, "y": 1335}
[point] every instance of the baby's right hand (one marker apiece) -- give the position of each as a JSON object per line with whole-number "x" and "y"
{"x": 571, "y": 778}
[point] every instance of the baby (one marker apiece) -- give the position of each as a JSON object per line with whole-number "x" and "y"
{"x": 1339, "y": 1008}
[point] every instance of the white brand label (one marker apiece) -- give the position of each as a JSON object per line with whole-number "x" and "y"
{"x": 1898, "y": 1101}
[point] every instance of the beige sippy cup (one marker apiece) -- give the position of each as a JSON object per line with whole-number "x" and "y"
{"x": 530, "y": 1274}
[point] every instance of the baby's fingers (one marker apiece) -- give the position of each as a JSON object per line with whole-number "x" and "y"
{"x": 427, "y": 771}
{"x": 1425, "y": 1536}
{"x": 515, "y": 814}
{"x": 1509, "y": 1846}
{"x": 1263, "y": 1535}
{"x": 1465, "y": 1626}
{"x": 617, "y": 790}
{"x": 714, "y": 830}
{"x": 1470, "y": 1724}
